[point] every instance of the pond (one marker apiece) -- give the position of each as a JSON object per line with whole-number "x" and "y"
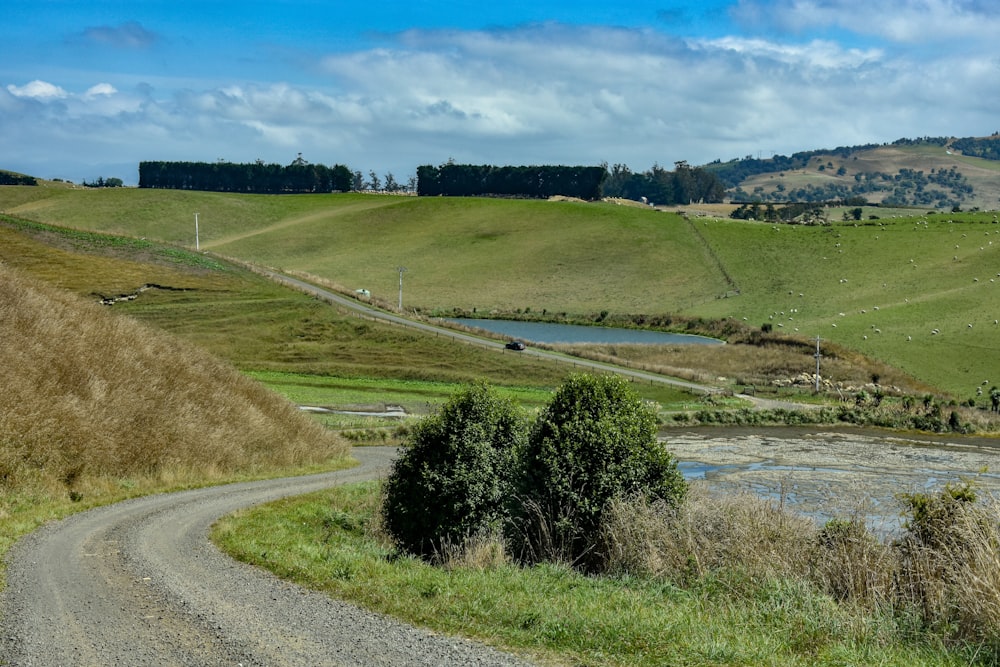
{"x": 834, "y": 472}
{"x": 550, "y": 332}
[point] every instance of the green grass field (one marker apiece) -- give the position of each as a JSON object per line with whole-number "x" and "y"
{"x": 555, "y": 257}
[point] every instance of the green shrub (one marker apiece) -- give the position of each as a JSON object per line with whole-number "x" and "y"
{"x": 454, "y": 481}
{"x": 594, "y": 442}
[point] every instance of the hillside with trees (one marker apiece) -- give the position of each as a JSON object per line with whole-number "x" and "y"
{"x": 933, "y": 172}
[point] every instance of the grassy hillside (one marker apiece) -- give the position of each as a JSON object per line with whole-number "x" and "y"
{"x": 586, "y": 258}
{"x": 93, "y": 400}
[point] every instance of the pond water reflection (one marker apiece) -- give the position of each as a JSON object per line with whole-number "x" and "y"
{"x": 550, "y": 332}
{"x": 826, "y": 473}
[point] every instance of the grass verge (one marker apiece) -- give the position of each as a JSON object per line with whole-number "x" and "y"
{"x": 550, "y": 613}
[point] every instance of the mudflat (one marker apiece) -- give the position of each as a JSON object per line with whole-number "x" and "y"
{"x": 828, "y": 472}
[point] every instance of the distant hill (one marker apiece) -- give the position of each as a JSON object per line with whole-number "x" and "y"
{"x": 937, "y": 173}
{"x": 14, "y": 178}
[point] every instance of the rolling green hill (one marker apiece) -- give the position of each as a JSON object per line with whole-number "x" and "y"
{"x": 850, "y": 283}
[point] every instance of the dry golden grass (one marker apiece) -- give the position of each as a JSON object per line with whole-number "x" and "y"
{"x": 740, "y": 364}
{"x": 943, "y": 571}
{"x": 708, "y": 533}
{"x": 90, "y": 396}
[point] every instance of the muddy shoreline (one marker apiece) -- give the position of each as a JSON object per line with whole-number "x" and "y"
{"x": 833, "y": 472}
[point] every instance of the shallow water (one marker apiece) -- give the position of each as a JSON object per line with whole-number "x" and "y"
{"x": 551, "y": 333}
{"x": 827, "y": 473}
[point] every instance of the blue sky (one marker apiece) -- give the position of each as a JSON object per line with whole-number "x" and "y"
{"x": 90, "y": 89}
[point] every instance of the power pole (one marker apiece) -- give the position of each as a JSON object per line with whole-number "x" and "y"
{"x": 817, "y": 355}
{"x": 401, "y": 269}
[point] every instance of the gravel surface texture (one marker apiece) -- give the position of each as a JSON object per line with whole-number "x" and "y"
{"x": 138, "y": 583}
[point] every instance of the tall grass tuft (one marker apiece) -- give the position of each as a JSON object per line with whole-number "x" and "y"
{"x": 950, "y": 564}
{"x": 941, "y": 574}
{"x": 93, "y": 396}
{"x": 706, "y": 534}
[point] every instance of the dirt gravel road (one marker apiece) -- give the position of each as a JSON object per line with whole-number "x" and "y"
{"x": 138, "y": 583}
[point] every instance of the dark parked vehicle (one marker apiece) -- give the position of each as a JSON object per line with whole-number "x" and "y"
{"x": 515, "y": 345}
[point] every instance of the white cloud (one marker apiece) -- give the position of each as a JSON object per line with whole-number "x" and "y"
{"x": 100, "y": 89}
{"x": 38, "y": 90}
{"x": 905, "y": 21}
{"x": 539, "y": 93}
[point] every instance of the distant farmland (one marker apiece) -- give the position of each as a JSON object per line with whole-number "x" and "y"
{"x": 877, "y": 286}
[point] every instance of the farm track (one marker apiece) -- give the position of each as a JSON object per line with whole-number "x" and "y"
{"x": 367, "y": 311}
{"x": 139, "y": 583}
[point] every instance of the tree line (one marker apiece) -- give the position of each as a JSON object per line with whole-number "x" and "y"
{"x": 469, "y": 180}
{"x": 684, "y": 185}
{"x": 657, "y": 185}
{"x": 256, "y": 177}
{"x": 10, "y": 178}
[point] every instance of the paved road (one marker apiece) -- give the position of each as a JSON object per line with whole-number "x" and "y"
{"x": 138, "y": 583}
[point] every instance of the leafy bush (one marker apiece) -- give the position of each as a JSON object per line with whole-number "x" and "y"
{"x": 593, "y": 443}
{"x": 454, "y": 482}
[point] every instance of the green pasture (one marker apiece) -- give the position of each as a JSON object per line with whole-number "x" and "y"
{"x": 880, "y": 288}
{"x": 313, "y": 353}
{"x": 578, "y": 258}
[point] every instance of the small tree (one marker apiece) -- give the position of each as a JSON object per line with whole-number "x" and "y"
{"x": 454, "y": 481}
{"x": 593, "y": 443}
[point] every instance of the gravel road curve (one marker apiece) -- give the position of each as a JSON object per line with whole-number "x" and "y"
{"x": 138, "y": 583}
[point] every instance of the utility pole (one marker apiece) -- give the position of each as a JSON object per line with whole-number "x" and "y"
{"x": 401, "y": 269}
{"x": 817, "y": 355}
{"x": 197, "y": 245}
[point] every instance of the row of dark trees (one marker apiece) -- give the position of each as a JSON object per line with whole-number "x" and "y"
{"x": 10, "y": 178}
{"x": 683, "y": 185}
{"x": 987, "y": 148}
{"x": 469, "y": 180}
{"x": 102, "y": 182}
{"x": 256, "y": 177}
